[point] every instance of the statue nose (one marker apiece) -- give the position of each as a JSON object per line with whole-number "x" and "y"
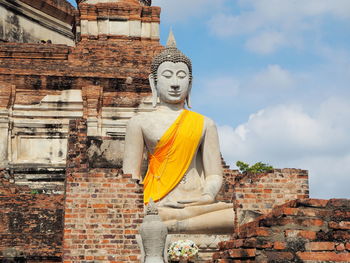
{"x": 175, "y": 87}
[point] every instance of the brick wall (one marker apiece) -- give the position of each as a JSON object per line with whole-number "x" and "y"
{"x": 260, "y": 193}
{"x": 103, "y": 209}
{"x": 306, "y": 230}
{"x": 37, "y": 70}
{"x": 30, "y": 223}
{"x": 226, "y": 192}
{"x": 102, "y": 214}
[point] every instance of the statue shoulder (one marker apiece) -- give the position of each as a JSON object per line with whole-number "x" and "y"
{"x": 139, "y": 119}
{"x": 209, "y": 123}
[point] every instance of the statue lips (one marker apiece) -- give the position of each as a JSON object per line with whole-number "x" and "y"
{"x": 175, "y": 91}
{"x": 175, "y": 94}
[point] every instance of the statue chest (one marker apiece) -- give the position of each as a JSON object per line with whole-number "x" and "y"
{"x": 154, "y": 128}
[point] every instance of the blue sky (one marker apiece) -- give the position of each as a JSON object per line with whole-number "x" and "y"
{"x": 275, "y": 77}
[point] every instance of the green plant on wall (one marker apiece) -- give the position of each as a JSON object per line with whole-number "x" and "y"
{"x": 257, "y": 168}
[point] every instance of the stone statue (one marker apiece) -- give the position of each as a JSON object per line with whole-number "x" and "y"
{"x": 153, "y": 237}
{"x": 184, "y": 173}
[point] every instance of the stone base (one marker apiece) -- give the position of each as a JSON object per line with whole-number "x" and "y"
{"x": 207, "y": 244}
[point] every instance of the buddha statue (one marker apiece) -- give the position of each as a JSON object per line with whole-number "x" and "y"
{"x": 184, "y": 172}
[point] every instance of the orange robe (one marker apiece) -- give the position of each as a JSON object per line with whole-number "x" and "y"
{"x": 173, "y": 155}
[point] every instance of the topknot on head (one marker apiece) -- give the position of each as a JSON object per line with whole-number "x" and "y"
{"x": 171, "y": 54}
{"x": 171, "y": 43}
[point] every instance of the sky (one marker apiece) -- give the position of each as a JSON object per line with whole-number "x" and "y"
{"x": 274, "y": 75}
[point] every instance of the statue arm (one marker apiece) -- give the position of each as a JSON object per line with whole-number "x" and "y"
{"x": 133, "y": 151}
{"x": 212, "y": 161}
{"x": 212, "y": 165}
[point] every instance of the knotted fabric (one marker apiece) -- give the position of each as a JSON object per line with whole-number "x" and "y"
{"x": 173, "y": 155}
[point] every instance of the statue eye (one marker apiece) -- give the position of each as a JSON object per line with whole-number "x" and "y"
{"x": 167, "y": 74}
{"x": 181, "y": 74}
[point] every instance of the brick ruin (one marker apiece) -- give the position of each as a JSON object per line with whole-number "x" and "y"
{"x": 307, "y": 230}
{"x": 30, "y": 223}
{"x": 104, "y": 208}
{"x": 34, "y": 21}
{"x": 104, "y": 79}
{"x": 63, "y": 197}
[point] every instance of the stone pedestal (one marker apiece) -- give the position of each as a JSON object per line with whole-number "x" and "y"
{"x": 207, "y": 244}
{"x": 153, "y": 236}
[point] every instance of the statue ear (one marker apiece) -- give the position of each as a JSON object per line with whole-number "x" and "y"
{"x": 152, "y": 83}
{"x": 188, "y": 98}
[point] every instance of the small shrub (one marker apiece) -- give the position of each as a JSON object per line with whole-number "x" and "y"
{"x": 257, "y": 168}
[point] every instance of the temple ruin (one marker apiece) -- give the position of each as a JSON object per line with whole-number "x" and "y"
{"x": 64, "y": 106}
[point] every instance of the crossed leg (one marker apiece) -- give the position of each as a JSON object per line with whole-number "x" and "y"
{"x": 217, "y": 218}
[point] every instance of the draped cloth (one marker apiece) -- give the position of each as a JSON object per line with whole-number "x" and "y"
{"x": 173, "y": 155}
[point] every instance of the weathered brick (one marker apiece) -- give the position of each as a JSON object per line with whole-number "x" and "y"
{"x": 324, "y": 256}
{"x": 312, "y": 222}
{"x": 339, "y": 202}
{"x": 340, "y": 247}
{"x": 315, "y": 246}
{"x": 341, "y": 235}
{"x": 241, "y": 253}
{"x": 311, "y": 235}
{"x": 223, "y": 261}
{"x": 347, "y": 246}
{"x": 345, "y": 225}
{"x": 274, "y": 256}
{"x": 313, "y": 203}
{"x": 340, "y": 215}
{"x": 278, "y": 245}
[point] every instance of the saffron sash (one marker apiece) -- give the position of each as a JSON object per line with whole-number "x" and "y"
{"x": 173, "y": 155}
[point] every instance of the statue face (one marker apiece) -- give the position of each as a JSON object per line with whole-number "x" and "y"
{"x": 173, "y": 82}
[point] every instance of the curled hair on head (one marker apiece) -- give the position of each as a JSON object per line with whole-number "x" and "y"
{"x": 170, "y": 54}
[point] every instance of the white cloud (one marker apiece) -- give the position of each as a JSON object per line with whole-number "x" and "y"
{"x": 271, "y": 24}
{"x": 225, "y": 25}
{"x": 286, "y": 135}
{"x": 181, "y": 10}
{"x": 266, "y": 42}
{"x": 274, "y": 77}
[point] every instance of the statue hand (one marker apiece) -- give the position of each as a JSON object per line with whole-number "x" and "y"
{"x": 174, "y": 205}
{"x": 203, "y": 200}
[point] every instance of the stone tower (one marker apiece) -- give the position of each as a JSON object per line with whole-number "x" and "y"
{"x": 118, "y": 18}
{"x": 103, "y": 79}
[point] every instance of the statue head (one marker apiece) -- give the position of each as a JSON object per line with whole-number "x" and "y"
{"x": 171, "y": 76}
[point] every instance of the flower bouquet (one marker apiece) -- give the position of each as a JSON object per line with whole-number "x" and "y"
{"x": 183, "y": 251}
